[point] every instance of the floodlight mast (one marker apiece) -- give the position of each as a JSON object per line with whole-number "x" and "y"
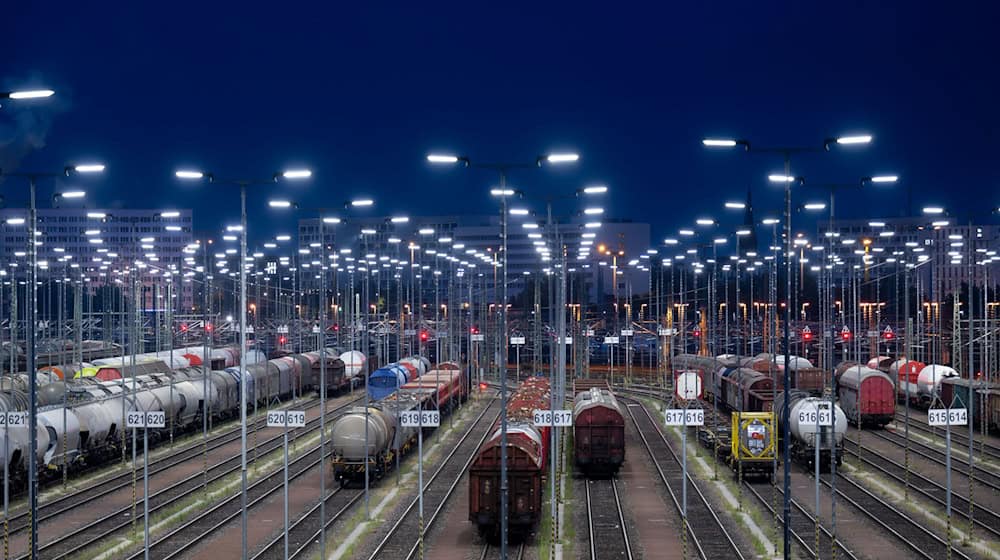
{"x": 788, "y": 179}
{"x": 504, "y": 192}
{"x": 31, "y": 311}
{"x": 243, "y": 184}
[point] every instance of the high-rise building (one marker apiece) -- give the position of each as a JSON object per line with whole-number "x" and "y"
{"x": 97, "y": 245}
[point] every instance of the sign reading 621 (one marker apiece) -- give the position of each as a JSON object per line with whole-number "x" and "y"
{"x": 14, "y": 419}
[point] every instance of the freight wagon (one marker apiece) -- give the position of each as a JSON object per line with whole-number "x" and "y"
{"x": 527, "y": 452}
{"x": 598, "y": 432}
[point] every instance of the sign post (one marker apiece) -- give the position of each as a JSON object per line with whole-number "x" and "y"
{"x": 286, "y": 419}
{"x": 420, "y": 419}
{"x": 554, "y": 419}
{"x": 611, "y": 341}
{"x": 16, "y": 419}
{"x": 145, "y": 420}
{"x": 517, "y": 342}
{"x": 684, "y": 417}
{"x": 948, "y": 417}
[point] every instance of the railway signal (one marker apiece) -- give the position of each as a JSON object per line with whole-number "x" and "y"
{"x": 845, "y": 334}
{"x": 807, "y": 333}
{"x": 888, "y": 334}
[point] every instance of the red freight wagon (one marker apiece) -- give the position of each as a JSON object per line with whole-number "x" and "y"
{"x": 867, "y": 396}
{"x": 598, "y": 432}
{"x": 527, "y": 450}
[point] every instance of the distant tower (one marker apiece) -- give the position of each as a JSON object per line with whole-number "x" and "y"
{"x": 748, "y": 242}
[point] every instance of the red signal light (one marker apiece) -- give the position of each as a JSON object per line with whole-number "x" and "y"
{"x": 474, "y": 330}
{"x": 184, "y": 327}
{"x": 208, "y": 327}
{"x": 336, "y": 328}
{"x": 483, "y": 386}
{"x": 697, "y": 332}
{"x": 845, "y": 334}
{"x": 282, "y": 340}
{"x": 424, "y": 336}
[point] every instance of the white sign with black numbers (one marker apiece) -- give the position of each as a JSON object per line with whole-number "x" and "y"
{"x": 948, "y": 416}
{"x": 278, "y": 418}
{"x": 409, "y": 332}
{"x": 666, "y": 332}
{"x": 478, "y": 337}
{"x": 825, "y": 417}
{"x": 676, "y": 417}
{"x": 568, "y": 340}
{"x": 559, "y": 418}
{"x": 627, "y": 332}
{"x": 14, "y": 419}
{"x": 589, "y": 332}
{"x": 611, "y": 340}
{"x": 418, "y": 418}
{"x": 517, "y": 340}
{"x": 137, "y": 419}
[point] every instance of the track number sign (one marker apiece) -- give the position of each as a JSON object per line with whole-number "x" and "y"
{"x": 676, "y": 417}
{"x": 611, "y": 340}
{"x": 478, "y": 337}
{"x": 14, "y": 419}
{"x": 517, "y": 340}
{"x": 559, "y": 418}
{"x": 277, "y": 418}
{"x": 137, "y": 419}
{"x": 825, "y": 417}
{"x": 946, "y": 416}
{"x": 418, "y": 418}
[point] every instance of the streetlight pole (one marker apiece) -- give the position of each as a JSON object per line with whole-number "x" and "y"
{"x": 503, "y": 191}
{"x": 30, "y": 316}
{"x": 243, "y": 183}
{"x": 787, "y": 179}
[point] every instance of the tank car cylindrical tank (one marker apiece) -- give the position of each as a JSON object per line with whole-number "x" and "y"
{"x": 688, "y": 384}
{"x": 929, "y": 380}
{"x": 354, "y": 363}
{"x": 802, "y": 413}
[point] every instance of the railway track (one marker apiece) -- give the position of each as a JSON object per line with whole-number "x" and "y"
{"x": 491, "y": 551}
{"x": 708, "y": 535}
{"x": 607, "y": 529}
{"x": 185, "y": 538}
{"x": 71, "y": 543}
{"x": 959, "y": 435}
{"x": 920, "y": 540}
{"x": 401, "y": 541}
{"x": 62, "y": 504}
{"x": 803, "y": 528}
{"x": 306, "y": 530}
{"x": 986, "y": 477}
{"x": 984, "y": 518}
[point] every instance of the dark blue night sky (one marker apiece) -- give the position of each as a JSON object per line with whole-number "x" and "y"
{"x": 362, "y": 95}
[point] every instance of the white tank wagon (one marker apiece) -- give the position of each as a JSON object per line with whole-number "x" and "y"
{"x": 355, "y": 364}
{"x": 929, "y": 381}
{"x": 802, "y": 414}
{"x": 384, "y": 437}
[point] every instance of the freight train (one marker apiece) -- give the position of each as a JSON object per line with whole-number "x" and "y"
{"x": 598, "y": 429}
{"x": 57, "y": 351}
{"x": 802, "y": 428}
{"x": 740, "y": 389}
{"x": 93, "y": 428}
{"x": 527, "y": 452}
{"x": 367, "y": 441}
